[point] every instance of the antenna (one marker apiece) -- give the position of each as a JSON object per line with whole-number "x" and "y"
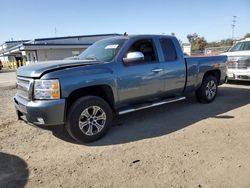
{"x": 233, "y": 26}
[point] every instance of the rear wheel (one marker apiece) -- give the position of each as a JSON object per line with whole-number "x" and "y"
{"x": 208, "y": 90}
{"x": 89, "y": 119}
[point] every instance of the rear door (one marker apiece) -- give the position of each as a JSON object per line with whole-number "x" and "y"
{"x": 141, "y": 80}
{"x": 174, "y": 66}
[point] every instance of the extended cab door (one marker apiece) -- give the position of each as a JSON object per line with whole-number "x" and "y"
{"x": 143, "y": 79}
{"x": 174, "y": 64}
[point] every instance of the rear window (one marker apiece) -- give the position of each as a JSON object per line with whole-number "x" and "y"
{"x": 169, "y": 50}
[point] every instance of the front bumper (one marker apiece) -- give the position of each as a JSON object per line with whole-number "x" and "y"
{"x": 233, "y": 74}
{"x": 40, "y": 112}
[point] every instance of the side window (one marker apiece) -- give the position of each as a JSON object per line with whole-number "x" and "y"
{"x": 146, "y": 47}
{"x": 246, "y": 46}
{"x": 169, "y": 50}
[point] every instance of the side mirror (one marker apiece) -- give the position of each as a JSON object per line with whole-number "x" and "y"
{"x": 133, "y": 57}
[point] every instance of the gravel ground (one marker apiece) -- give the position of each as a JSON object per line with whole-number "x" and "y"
{"x": 7, "y": 79}
{"x": 184, "y": 144}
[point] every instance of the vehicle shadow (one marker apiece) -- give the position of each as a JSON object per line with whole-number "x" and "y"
{"x": 162, "y": 120}
{"x": 238, "y": 82}
{"x": 13, "y": 171}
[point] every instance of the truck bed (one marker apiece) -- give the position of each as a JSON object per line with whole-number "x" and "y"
{"x": 197, "y": 66}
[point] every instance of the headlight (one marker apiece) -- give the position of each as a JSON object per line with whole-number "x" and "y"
{"x": 46, "y": 89}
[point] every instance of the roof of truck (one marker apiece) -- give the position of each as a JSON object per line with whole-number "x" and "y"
{"x": 244, "y": 40}
{"x": 143, "y": 36}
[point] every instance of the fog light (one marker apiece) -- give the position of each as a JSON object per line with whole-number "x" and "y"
{"x": 40, "y": 121}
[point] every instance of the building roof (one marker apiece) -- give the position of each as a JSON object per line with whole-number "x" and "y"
{"x": 47, "y": 43}
{"x": 77, "y": 36}
{"x": 24, "y": 46}
{"x": 52, "y": 46}
{"x": 15, "y": 41}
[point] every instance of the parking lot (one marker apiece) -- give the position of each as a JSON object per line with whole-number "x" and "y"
{"x": 183, "y": 144}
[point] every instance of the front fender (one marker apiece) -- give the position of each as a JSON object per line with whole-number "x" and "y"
{"x": 80, "y": 77}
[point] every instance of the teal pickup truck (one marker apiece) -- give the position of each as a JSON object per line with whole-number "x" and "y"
{"x": 112, "y": 77}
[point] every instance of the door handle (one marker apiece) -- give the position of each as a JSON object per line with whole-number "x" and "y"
{"x": 156, "y": 70}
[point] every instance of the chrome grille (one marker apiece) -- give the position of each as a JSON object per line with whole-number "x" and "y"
{"x": 238, "y": 64}
{"x": 24, "y": 86}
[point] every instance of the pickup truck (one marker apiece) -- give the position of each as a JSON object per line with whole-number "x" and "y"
{"x": 112, "y": 77}
{"x": 238, "y": 64}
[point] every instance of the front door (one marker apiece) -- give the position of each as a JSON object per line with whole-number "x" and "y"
{"x": 143, "y": 79}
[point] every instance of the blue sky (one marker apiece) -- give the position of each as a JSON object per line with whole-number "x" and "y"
{"x": 28, "y": 19}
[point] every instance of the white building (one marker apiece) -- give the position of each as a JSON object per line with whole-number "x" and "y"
{"x": 45, "y": 49}
{"x": 7, "y": 45}
{"x": 186, "y": 48}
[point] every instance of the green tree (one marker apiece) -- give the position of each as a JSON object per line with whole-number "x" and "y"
{"x": 197, "y": 42}
{"x": 247, "y": 35}
{"x": 213, "y": 44}
{"x": 225, "y": 42}
{"x": 192, "y": 37}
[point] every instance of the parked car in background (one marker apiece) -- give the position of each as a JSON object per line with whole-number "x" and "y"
{"x": 113, "y": 76}
{"x": 238, "y": 64}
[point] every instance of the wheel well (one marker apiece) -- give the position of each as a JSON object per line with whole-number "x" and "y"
{"x": 103, "y": 91}
{"x": 215, "y": 73}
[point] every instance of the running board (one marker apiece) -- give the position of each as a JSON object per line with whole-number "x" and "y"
{"x": 166, "y": 101}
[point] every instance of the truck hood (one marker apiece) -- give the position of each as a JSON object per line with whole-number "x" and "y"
{"x": 238, "y": 53}
{"x": 36, "y": 70}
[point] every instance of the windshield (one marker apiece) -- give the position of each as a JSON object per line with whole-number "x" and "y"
{"x": 103, "y": 50}
{"x": 240, "y": 46}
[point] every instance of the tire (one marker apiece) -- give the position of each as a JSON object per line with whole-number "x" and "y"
{"x": 208, "y": 90}
{"x": 89, "y": 119}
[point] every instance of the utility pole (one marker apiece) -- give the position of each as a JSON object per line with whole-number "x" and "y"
{"x": 233, "y": 26}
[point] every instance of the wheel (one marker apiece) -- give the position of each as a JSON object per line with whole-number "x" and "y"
{"x": 208, "y": 90}
{"x": 89, "y": 119}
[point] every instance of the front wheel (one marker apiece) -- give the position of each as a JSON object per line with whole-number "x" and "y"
{"x": 89, "y": 119}
{"x": 208, "y": 90}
